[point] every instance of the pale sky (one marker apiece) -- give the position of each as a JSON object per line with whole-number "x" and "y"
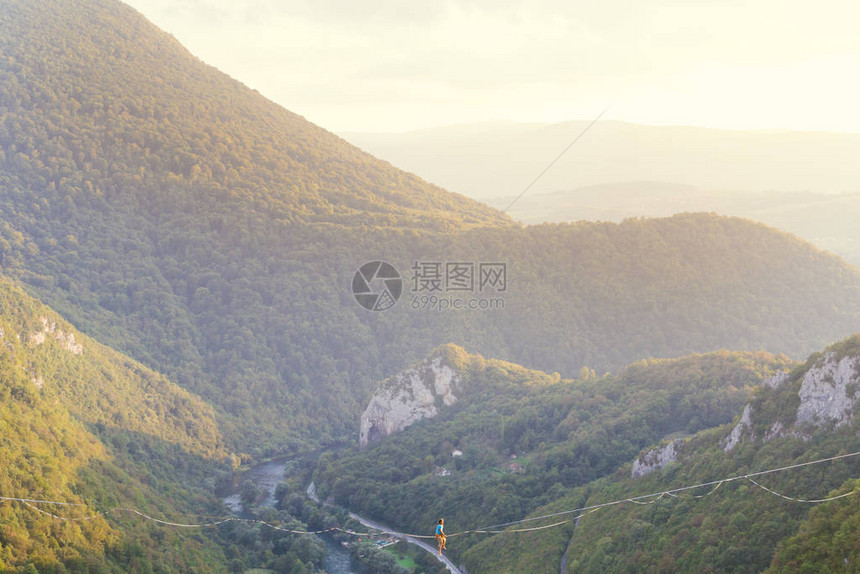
{"x": 398, "y": 65}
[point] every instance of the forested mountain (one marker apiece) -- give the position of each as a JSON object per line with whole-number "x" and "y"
{"x": 82, "y": 424}
{"x": 830, "y": 221}
{"x": 98, "y": 102}
{"x": 169, "y": 211}
{"x": 95, "y": 447}
{"x": 583, "y": 443}
{"x": 741, "y": 526}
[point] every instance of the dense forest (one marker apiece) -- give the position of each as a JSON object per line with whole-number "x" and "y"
{"x": 96, "y": 431}
{"x": 210, "y": 239}
{"x": 533, "y": 445}
{"x": 526, "y": 437}
{"x": 169, "y": 210}
{"x": 81, "y": 424}
{"x": 742, "y": 528}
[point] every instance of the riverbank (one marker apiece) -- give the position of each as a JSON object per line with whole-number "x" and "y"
{"x": 266, "y": 476}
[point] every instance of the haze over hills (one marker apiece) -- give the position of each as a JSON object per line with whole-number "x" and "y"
{"x": 167, "y": 209}
{"x": 496, "y": 159}
{"x": 801, "y": 182}
{"x": 829, "y": 220}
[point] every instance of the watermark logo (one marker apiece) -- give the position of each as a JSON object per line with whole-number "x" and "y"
{"x": 436, "y": 285}
{"x": 377, "y": 286}
{"x": 453, "y": 276}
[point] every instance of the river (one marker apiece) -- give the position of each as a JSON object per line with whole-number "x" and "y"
{"x": 338, "y": 561}
{"x": 266, "y": 476}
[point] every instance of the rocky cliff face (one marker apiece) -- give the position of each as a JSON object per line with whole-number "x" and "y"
{"x": 417, "y": 393}
{"x": 656, "y": 458}
{"x": 743, "y": 427}
{"x": 828, "y": 393}
{"x": 49, "y": 327}
{"x": 828, "y": 396}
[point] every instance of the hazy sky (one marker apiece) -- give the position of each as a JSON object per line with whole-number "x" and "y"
{"x": 396, "y": 65}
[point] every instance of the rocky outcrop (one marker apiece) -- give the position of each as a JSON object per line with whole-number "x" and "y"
{"x": 777, "y": 380}
{"x": 744, "y": 426}
{"x": 828, "y": 396}
{"x": 828, "y": 393}
{"x": 66, "y": 340}
{"x": 415, "y": 394}
{"x": 656, "y": 458}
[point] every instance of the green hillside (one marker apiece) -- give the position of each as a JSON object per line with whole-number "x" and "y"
{"x": 195, "y": 247}
{"x": 575, "y": 441}
{"x": 141, "y": 190}
{"x": 563, "y": 433}
{"x": 97, "y": 432}
{"x": 81, "y": 424}
{"x": 737, "y": 527}
{"x": 826, "y": 541}
{"x": 167, "y": 210}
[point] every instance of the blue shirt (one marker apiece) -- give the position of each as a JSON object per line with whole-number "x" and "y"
{"x": 439, "y": 529}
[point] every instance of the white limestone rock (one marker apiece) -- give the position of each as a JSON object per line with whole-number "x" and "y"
{"x": 744, "y": 425}
{"x": 66, "y": 340}
{"x": 776, "y": 380}
{"x": 404, "y": 399}
{"x": 656, "y": 458}
{"x": 828, "y": 393}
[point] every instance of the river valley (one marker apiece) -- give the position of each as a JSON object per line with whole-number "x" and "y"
{"x": 266, "y": 476}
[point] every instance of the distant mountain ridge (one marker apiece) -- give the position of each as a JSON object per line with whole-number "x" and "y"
{"x": 801, "y": 182}
{"x": 476, "y": 159}
{"x": 830, "y": 221}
